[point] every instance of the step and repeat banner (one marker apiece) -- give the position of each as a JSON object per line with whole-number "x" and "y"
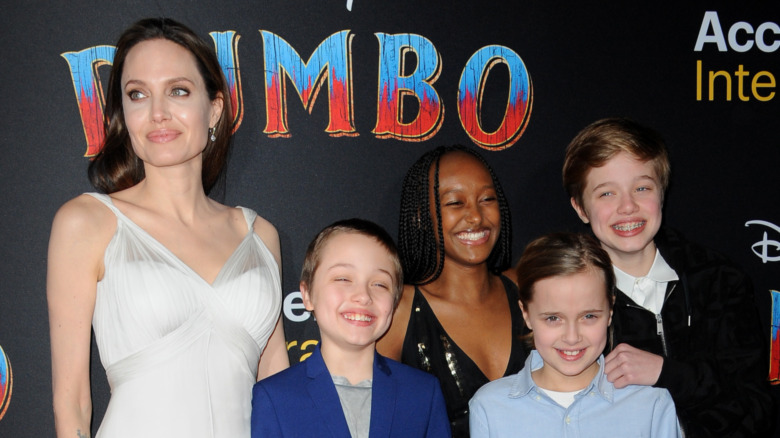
{"x": 334, "y": 100}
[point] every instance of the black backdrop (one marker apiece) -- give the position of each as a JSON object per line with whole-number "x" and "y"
{"x": 586, "y": 61}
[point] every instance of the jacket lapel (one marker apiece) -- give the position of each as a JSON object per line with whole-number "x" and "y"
{"x": 383, "y": 399}
{"x": 323, "y": 393}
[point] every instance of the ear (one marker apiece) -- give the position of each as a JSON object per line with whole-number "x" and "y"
{"x": 306, "y": 296}
{"x": 580, "y": 211}
{"x": 525, "y": 316}
{"x": 216, "y": 109}
{"x": 609, "y": 323}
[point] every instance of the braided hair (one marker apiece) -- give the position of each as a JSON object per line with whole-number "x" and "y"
{"x": 422, "y": 256}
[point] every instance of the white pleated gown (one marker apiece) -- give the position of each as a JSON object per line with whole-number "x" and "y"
{"x": 181, "y": 354}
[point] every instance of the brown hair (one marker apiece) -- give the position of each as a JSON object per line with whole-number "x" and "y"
{"x": 355, "y": 226}
{"x": 562, "y": 254}
{"x": 116, "y": 166}
{"x": 600, "y": 141}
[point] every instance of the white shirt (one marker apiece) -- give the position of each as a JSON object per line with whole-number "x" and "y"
{"x": 648, "y": 291}
{"x": 564, "y": 399}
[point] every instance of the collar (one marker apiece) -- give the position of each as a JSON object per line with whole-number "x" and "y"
{"x": 660, "y": 272}
{"x": 315, "y": 364}
{"x": 524, "y": 384}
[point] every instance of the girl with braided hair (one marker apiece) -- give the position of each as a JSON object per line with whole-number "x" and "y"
{"x": 458, "y": 318}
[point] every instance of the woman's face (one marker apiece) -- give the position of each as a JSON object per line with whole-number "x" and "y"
{"x": 470, "y": 215}
{"x": 166, "y": 106}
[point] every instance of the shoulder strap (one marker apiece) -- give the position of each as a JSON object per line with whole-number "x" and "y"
{"x": 250, "y": 216}
{"x": 106, "y": 200}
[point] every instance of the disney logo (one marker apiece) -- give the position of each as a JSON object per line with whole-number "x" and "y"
{"x": 762, "y": 247}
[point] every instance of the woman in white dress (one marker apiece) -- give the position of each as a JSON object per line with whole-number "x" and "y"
{"x": 183, "y": 293}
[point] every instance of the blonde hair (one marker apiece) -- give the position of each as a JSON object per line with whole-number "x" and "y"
{"x": 355, "y": 226}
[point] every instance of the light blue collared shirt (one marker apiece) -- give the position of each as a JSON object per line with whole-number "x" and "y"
{"x": 515, "y": 406}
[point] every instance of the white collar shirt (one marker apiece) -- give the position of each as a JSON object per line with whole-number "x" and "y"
{"x": 648, "y": 291}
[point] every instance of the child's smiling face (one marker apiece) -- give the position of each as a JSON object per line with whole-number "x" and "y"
{"x": 569, "y": 316}
{"x": 622, "y": 202}
{"x": 352, "y": 291}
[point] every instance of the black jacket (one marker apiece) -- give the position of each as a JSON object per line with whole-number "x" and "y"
{"x": 715, "y": 354}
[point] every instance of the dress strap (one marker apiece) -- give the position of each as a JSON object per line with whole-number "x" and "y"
{"x": 420, "y": 330}
{"x": 250, "y": 216}
{"x": 106, "y": 200}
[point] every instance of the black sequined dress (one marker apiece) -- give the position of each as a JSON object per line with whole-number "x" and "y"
{"x": 428, "y": 347}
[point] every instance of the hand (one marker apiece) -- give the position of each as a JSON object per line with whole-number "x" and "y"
{"x": 627, "y": 365}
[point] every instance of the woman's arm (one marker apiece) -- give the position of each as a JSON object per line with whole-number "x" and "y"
{"x": 274, "y": 357}
{"x": 79, "y": 236}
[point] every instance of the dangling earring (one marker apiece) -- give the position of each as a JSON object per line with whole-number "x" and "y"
{"x": 212, "y": 133}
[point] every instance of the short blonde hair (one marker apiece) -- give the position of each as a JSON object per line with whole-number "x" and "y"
{"x": 354, "y": 226}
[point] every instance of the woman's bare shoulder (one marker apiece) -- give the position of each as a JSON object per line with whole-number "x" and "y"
{"x": 80, "y": 234}
{"x": 264, "y": 228}
{"x": 83, "y": 216}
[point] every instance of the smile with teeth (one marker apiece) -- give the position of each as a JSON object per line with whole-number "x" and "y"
{"x": 358, "y": 317}
{"x": 571, "y": 355}
{"x": 473, "y": 235}
{"x": 629, "y": 226}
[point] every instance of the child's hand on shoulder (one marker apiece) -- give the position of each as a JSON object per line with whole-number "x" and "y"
{"x": 627, "y": 365}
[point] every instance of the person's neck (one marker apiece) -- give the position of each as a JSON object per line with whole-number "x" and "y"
{"x": 180, "y": 198}
{"x": 550, "y": 380}
{"x": 637, "y": 264}
{"x": 457, "y": 283}
{"x": 355, "y": 365}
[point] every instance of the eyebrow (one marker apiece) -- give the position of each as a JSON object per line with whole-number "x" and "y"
{"x": 340, "y": 265}
{"x": 639, "y": 178}
{"x": 387, "y": 272}
{"x": 459, "y": 188}
{"x": 351, "y": 266}
{"x": 584, "y": 312}
{"x": 168, "y": 82}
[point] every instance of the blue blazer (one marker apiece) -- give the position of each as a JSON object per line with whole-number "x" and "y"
{"x": 302, "y": 401}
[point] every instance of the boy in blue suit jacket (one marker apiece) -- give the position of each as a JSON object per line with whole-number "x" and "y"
{"x": 351, "y": 281}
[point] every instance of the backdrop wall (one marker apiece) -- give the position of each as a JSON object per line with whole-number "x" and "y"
{"x": 336, "y": 99}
